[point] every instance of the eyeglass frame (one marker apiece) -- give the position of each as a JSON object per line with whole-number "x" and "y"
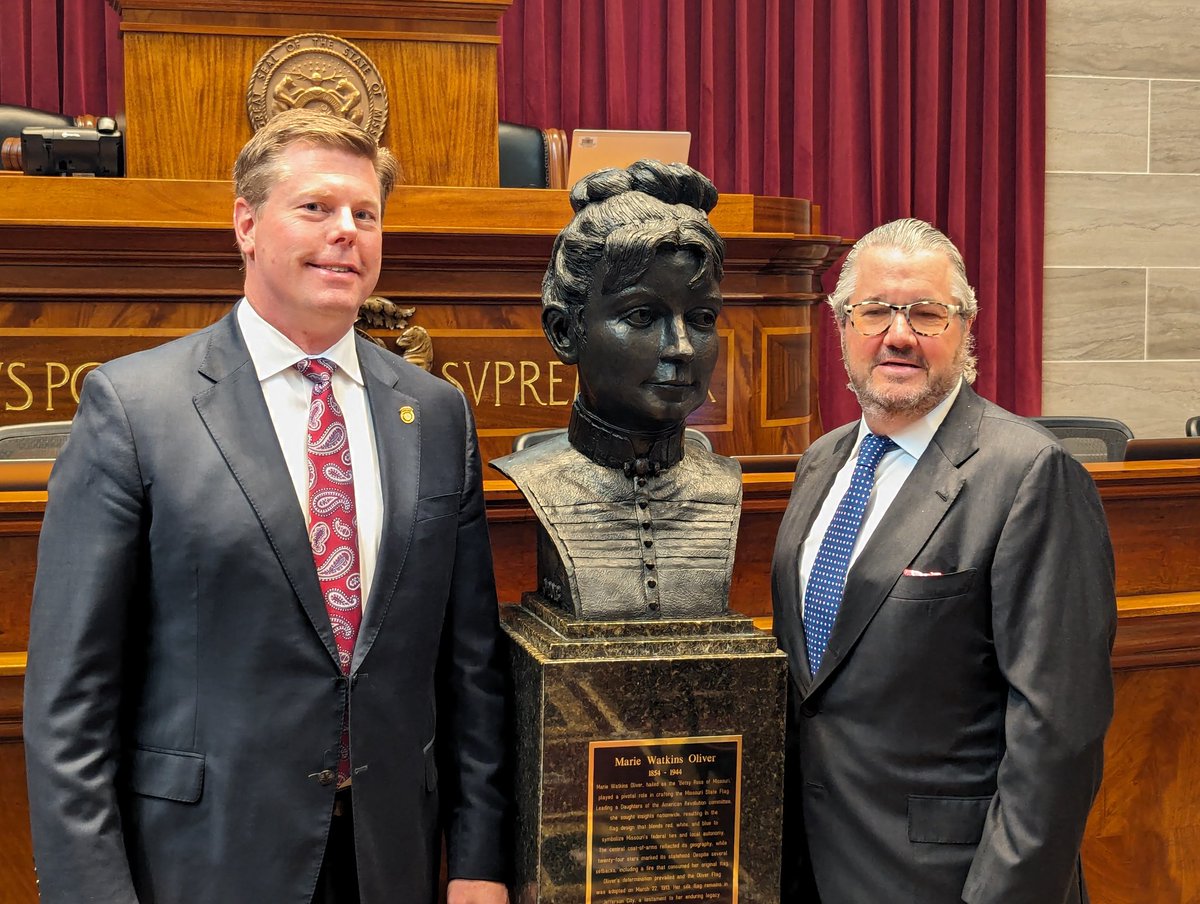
{"x": 951, "y": 309}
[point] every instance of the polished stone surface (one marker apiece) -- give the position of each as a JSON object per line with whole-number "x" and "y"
{"x": 1175, "y": 126}
{"x": 1147, "y": 38}
{"x": 1096, "y": 125}
{"x": 577, "y": 682}
{"x": 1154, "y": 398}
{"x": 1098, "y": 53}
{"x": 1093, "y": 314}
{"x": 1122, "y": 220}
{"x": 1174, "y": 316}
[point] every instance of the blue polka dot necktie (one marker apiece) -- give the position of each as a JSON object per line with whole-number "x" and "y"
{"x": 827, "y": 580}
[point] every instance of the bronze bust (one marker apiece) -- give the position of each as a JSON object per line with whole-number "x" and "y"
{"x": 635, "y": 520}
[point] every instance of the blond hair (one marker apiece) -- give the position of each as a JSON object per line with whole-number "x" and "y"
{"x": 257, "y": 167}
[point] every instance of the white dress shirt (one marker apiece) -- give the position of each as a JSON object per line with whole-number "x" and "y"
{"x": 892, "y": 471}
{"x": 288, "y": 393}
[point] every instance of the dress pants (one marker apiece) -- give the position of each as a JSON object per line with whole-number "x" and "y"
{"x": 337, "y": 882}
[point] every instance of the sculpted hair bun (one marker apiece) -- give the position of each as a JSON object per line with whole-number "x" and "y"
{"x": 671, "y": 183}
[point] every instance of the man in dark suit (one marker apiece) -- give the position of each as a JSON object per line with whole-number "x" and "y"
{"x": 943, "y": 587}
{"x": 262, "y": 656}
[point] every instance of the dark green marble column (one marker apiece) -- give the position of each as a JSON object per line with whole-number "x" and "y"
{"x": 718, "y": 681}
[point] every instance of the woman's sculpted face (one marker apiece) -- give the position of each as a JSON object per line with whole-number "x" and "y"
{"x": 646, "y": 353}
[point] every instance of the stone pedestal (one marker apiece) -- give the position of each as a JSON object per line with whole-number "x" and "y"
{"x": 649, "y": 759}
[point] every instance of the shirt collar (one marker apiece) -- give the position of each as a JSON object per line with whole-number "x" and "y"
{"x": 915, "y": 438}
{"x": 272, "y": 352}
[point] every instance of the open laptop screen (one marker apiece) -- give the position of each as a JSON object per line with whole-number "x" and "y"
{"x": 596, "y": 149}
{"x": 1162, "y": 448}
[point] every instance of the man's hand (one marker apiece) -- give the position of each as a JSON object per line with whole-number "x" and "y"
{"x": 475, "y": 891}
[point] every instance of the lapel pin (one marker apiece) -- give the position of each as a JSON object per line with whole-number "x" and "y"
{"x": 407, "y": 414}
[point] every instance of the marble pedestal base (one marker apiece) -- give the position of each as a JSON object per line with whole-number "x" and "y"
{"x": 582, "y": 682}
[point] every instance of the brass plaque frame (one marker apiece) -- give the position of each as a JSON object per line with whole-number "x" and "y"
{"x": 664, "y": 820}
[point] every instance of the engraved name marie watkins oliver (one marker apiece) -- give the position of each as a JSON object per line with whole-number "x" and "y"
{"x": 663, "y": 820}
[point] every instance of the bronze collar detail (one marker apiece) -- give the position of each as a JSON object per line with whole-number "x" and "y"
{"x": 616, "y": 448}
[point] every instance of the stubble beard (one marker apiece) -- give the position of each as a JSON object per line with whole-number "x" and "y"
{"x": 890, "y": 401}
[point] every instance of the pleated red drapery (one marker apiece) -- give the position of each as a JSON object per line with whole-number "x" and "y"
{"x": 875, "y": 109}
{"x": 61, "y": 55}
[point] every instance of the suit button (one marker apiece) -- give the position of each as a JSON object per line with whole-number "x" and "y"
{"x": 810, "y": 709}
{"x": 326, "y": 777}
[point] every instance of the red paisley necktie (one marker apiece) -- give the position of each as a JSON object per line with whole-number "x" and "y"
{"x": 332, "y": 527}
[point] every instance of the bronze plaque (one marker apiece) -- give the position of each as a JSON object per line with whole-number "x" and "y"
{"x": 663, "y": 820}
{"x": 318, "y": 71}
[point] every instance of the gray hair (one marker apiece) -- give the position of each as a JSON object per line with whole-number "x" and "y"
{"x": 622, "y": 217}
{"x": 910, "y": 236}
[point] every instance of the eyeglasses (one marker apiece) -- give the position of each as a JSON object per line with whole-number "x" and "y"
{"x": 925, "y": 318}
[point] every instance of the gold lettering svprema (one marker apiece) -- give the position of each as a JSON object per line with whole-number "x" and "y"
{"x": 58, "y": 375}
{"x": 498, "y": 383}
{"x": 12, "y": 375}
{"x": 51, "y": 385}
{"x": 81, "y": 371}
{"x": 530, "y": 373}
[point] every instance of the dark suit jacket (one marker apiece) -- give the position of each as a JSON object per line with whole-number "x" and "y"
{"x": 183, "y": 693}
{"x": 951, "y": 744}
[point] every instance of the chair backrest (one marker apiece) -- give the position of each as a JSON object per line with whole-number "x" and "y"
{"x": 13, "y": 119}
{"x": 531, "y": 157}
{"x": 33, "y": 441}
{"x": 533, "y": 437}
{"x": 1192, "y": 427}
{"x": 1090, "y": 438}
{"x": 557, "y": 158}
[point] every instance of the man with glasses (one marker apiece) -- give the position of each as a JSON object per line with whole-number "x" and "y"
{"x": 943, "y": 587}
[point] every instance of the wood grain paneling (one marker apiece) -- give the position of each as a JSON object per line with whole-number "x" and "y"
{"x": 17, "y": 881}
{"x": 137, "y": 261}
{"x": 17, "y": 885}
{"x": 1143, "y": 837}
{"x": 436, "y": 60}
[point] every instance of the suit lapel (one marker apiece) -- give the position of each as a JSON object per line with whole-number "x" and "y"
{"x": 911, "y": 519}
{"x": 235, "y": 413}
{"x": 814, "y": 477}
{"x": 398, "y": 446}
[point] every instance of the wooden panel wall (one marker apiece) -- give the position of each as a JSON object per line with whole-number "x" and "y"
{"x": 136, "y": 262}
{"x": 188, "y": 64}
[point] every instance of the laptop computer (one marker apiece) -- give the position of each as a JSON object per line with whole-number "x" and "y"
{"x": 597, "y": 149}
{"x": 1163, "y": 448}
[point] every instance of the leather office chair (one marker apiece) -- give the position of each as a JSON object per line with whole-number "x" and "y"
{"x": 1090, "y": 438}
{"x": 13, "y": 119}
{"x": 531, "y": 157}
{"x": 533, "y": 437}
{"x": 39, "y": 441}
{"x": 1192, "y": 427}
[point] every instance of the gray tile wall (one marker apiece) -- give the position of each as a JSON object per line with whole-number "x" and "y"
{"x": 1121, "y": 334}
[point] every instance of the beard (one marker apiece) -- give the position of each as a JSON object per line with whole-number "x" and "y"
{"x": 911, "y": 401}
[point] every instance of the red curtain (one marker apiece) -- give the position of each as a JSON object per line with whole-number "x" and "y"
{"x": 61, "y": 55}
{"x": 875, "y": 109}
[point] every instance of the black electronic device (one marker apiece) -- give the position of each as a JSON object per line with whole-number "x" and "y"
{"x": 73, "y": 151}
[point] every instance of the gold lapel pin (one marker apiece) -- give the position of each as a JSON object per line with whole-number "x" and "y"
{"x": 407, "y": 414}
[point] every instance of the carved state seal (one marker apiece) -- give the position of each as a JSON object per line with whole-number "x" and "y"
{"x": 318, "y": 71}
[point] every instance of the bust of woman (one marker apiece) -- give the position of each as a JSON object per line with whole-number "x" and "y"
{"x": 635, "y": 521}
